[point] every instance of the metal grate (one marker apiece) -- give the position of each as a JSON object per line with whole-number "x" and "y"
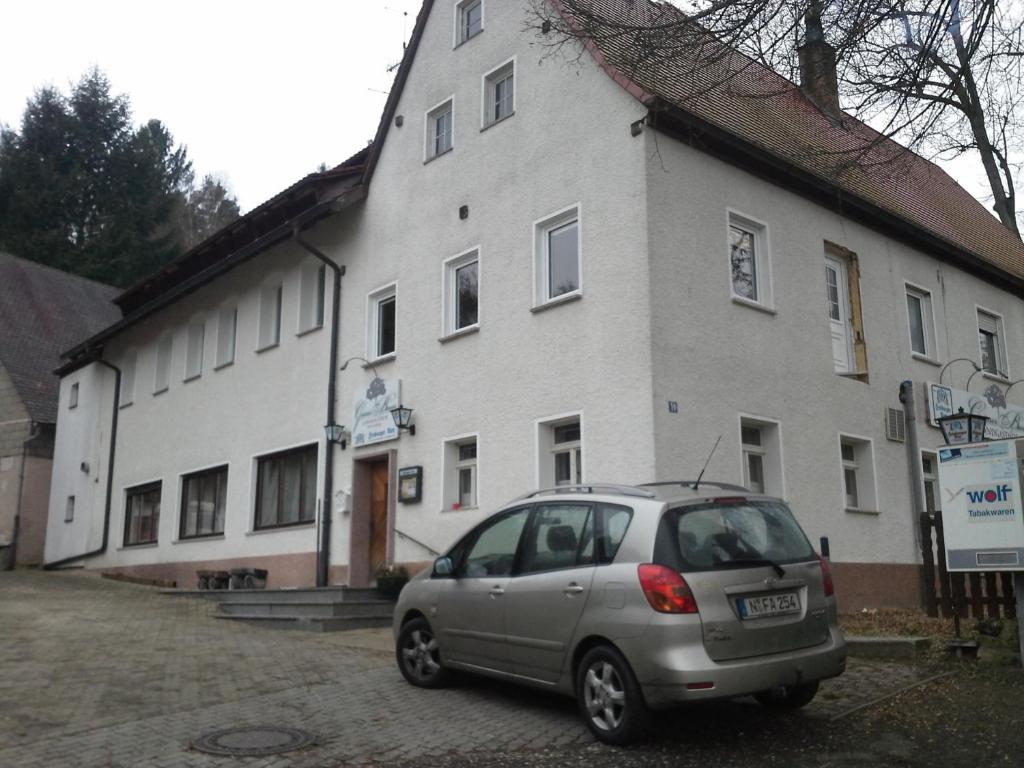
{"x": 895, "y": 425}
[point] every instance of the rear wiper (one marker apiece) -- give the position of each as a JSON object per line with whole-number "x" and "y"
{"x": 757, "y": 561}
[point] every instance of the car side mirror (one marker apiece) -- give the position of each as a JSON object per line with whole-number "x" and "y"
{"x": 443, "y": 568}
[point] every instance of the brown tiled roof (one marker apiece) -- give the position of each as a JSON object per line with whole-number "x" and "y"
{"x": 43, "y": 311}
{"x": 769, "y": 112}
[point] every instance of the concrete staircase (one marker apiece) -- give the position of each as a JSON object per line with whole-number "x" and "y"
{"x": 322, "y": 609}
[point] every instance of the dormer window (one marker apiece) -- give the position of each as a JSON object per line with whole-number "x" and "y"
{"x": 469, "y": 20}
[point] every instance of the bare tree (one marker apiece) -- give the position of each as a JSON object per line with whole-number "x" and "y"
{"x": 942, "y": 77}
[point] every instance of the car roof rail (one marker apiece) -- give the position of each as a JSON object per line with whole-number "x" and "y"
{"x": 610, "y": 488}
{"x": 689, "y": 484}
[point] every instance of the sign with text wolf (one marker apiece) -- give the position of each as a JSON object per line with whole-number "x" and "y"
{"x": 372, "y": 421}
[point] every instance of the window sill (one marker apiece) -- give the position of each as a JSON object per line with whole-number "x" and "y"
{"x": 159, "y": 391}
{"x": 861, "y": 376}
{"x": 187, "y": 379}
{"x": 267, "y": 347}
{"x": 380, "y": 360}
{"x": 459, "y": 509}
{"x": 996, "y": 377}
{"x": 307, "y": 331}
{"x": 744, "y": 302}
{"x": 467, "y": 39}
{"x": 565, "y": 298}
{"x": 926, "y": 359}
{"x": 467, "y": 331}
{"x": 499, "y": 120}
{"x": 144, "y": 545}
{"x": 122, "y": 406}
{"x": 193, "y": 539}
{"x": 282, "y": 528}
{"x": 222, "y": 366}
{"x": 432, "y": 158}
{"x": 855, "y": 511}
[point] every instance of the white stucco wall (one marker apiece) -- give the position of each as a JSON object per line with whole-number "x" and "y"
{"x": 719, "y": 358}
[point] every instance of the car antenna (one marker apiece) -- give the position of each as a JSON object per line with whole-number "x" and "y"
{"x": 713, "y": 447}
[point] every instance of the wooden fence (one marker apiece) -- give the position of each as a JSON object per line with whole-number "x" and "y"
{"x": 966, "y": 595}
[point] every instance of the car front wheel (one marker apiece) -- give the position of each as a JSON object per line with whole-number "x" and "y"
{"x": 609, "y": 697}
{"x": 788, "y": 696}
{"x": 419, "y": 656}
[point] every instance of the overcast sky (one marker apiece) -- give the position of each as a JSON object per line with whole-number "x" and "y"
{"x": 261, "y": 92}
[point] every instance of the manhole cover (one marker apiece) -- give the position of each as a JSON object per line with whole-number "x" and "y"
{"x": 256, "y": 740}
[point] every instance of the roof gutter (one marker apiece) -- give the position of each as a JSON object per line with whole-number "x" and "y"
{"x": 324, "y": 550}
{"x": 110, "y": 475}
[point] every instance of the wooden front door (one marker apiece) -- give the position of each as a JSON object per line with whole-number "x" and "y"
{"x": 378, "y": 516}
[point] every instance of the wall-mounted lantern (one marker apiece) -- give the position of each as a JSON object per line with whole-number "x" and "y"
{"x": 336, "y": 433}
{"x": 961, "y": 428}
{"x": 403, "y": 419}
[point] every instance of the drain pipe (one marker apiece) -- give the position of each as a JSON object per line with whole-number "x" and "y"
{"x": 110, "y": 475}
{"x": 323, "y": 558}
{"x": 13, "y": 559}
{"x": 913, "y": 455}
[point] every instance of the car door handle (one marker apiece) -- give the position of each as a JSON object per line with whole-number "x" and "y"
{"x": 573, "y": 589}
{"x": 496, "y": 592}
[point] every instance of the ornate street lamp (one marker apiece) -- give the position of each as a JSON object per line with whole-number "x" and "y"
{"x": 336, "y": 433}
{"x": 960, "y": 428}
{"x": 403, "y": 419}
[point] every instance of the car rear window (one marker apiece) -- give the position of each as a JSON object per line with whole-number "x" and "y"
{"x": 730, "y": 535}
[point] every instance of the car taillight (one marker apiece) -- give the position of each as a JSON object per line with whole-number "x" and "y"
{"x": 666, "y": 590}
{"x": 826, "y": 577}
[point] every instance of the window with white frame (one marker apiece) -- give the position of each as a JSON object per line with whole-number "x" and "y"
{"x": 499, "y": 93}
{"x": 380, "y": 324}
{"x": 858, "y": 465}
{"x": 992, "y": 344}
{"x": 270, "y": 317}
{"x": 469, "y": 20}
{"x": 195, "y": 341}
{"x": 440, "y": 129}
{"x": 761, "y": 451}
{"x": 460, "y": 477}
{"x": 461, "y": 292}
{"x": 162, "y": 370}
{"x": 69, "y": 510}
{"x": 312, "y": 279}
{"x": 128, "y": 363}
{"x": 929, "y": 470}
{"x": 73, "y": 396}
{"x": 560, "y": 452}
{"x": 920, "y": 321}
{"x": 846, "y": 319}
{"x": 557, "y": 255}
{"x": 748, "y": 260}
{"x": 227, "y": 321}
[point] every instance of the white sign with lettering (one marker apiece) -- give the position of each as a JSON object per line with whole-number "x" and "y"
{"x": 1005, "y": 421}
{"x": 372, "y": 421}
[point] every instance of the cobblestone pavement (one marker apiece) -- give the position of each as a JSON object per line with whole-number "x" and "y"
{"x": 102, "y": 673}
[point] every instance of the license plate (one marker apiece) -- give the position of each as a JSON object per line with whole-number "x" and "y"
{"x": 768, "y": 605}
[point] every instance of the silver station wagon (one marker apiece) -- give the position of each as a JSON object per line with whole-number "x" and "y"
{"x": 630, "y": 598}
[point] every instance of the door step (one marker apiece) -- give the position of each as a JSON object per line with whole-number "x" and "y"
{"x": 312, "y": 623}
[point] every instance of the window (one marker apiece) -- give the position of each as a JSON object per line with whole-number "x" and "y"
{"x": 203, "y": 500}
{"x": 461, "y": 292}
{"x": 128, "y": 378}
{"x": 73, "y": 396}
{"x": 286, "y": 488}
{"x": 990, "y": 339}
{"x": 460, "y": 482}
{"x": 493, "y": 553}
{"x": 748, "y": 260}
{"x": 270, "y": 317}
{"x": 381, "y": 322}
{"x": 858, "y": 467}
{"x": 499, "y": 93}
{"x": 142, "y": 514}
{"x": 561, "y": 536}
{"x": 557, "y": 253}
{"x": 761, "y": 452}
{"x": 469, "y": 20}
{"x": 227, "y": 321}
{"x": 842, "y": 293}
{"x": 560, "y": 443}
{"x": 312, "y": 281}
{"x": 69, "y": 510}
{"x": 931, "y": 482}
{"x": 194, "y": 351}
{"x": 440, "y": 130}
{"x": 162, "y": 374}
{"x": 921, "y": 322}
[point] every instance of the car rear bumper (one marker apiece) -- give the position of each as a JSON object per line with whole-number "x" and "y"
{"x": 678, "y": 676}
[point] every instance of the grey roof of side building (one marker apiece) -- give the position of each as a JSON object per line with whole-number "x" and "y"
{"x": 43, "y": 312}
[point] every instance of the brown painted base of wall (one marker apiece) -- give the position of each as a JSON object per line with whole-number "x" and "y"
{"x": 877, "y": 585}
{"x": 297, "y": 570}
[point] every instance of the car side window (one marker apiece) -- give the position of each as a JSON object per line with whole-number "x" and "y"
{"x": 561, "y": 536}
{"x": 614, "y": 520}
{"x": 494, "y": 551}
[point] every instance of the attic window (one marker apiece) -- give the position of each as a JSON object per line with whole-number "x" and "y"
{"x": 73, "y": 396}
{"x": 469, "y": 20}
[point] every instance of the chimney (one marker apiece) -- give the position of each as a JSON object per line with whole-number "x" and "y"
{"x": 818, "y": 78}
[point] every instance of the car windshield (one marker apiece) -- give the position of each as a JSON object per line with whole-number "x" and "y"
{"x": 736, "y": 534}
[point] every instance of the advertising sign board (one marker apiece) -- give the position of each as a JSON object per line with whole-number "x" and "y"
{"x": 371, "y": 417}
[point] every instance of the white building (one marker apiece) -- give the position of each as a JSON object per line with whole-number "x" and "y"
{"x": 571, "y": 275}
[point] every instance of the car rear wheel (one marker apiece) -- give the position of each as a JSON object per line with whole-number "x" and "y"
{"x": 419, "y": 656}
{"x": 609, "y": 697}
{"x": 788, "y": 696}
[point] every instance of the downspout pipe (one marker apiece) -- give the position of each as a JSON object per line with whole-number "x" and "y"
{"x": 323, "y": 559}
{"x": 13, "y": 559}
{"x": 110, "y": 475}
{"x": 916, "y": 470}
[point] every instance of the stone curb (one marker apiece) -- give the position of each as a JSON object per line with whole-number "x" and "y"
{"x": 887, "y": 647}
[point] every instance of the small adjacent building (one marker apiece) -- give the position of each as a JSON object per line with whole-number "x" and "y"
{"x": 572, "y": 270}
{"x": 43, "y": 312}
